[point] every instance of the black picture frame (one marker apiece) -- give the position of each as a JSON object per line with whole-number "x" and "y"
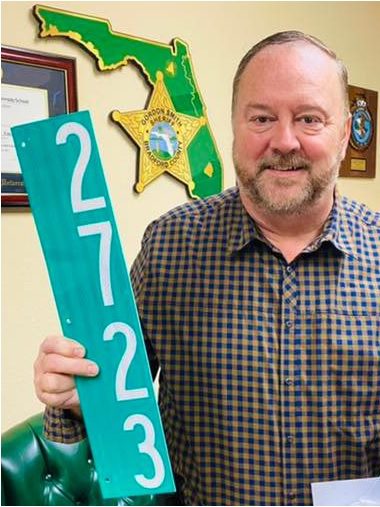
{"x": 56, "y": 75}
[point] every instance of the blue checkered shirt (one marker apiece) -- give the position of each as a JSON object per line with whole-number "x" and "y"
{"x": 270, "y": 372}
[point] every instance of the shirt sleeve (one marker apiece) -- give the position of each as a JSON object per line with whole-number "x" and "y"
{"x": 62, "y": 426}
{"x": 139, "y": 279}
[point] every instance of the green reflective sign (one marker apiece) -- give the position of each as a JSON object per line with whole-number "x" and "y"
{"x": 68, "y": 195}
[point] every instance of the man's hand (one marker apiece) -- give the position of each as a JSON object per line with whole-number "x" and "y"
{"x": 59, "y": 359}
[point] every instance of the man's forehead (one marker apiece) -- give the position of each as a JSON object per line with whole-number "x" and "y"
{"x": 295, "y": 73}
{"x": 293, "y": 62}
{"x": 292, "y": 50}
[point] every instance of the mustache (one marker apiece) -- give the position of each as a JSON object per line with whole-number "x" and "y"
{"x": 284, "y": 162}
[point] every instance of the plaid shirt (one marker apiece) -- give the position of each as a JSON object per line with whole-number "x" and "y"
{"x": 270, "y": 372}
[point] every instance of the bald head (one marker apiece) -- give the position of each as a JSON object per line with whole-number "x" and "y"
{"x": 289, "y": 37}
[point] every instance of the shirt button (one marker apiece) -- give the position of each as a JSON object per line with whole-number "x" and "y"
{"x": 289, "y": 381}
{"x": 288, "y": 324}
{"x": 289, "y": 439}
{"x": 291, "y": 495}
{"x": 289, "y": 269}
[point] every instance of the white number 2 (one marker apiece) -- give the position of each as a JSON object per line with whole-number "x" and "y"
{"x": 122, "y": 393}
{"x": 147, "y": 447}
{"x": 79, "y": 204}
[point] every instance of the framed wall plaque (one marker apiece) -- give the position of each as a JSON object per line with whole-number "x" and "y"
{"x": 360, "y": 160}
{"x": 34, "y": 86}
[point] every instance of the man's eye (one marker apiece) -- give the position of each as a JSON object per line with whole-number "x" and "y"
{"x": 309, "y": 120}
{"x": 260, "y": 120}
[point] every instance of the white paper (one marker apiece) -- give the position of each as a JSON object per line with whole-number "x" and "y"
{"x": 352, "y": 492}
{"x": 19, "y": 104}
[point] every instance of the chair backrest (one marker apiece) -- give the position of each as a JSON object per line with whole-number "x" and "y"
{"x": 36, "y": 471}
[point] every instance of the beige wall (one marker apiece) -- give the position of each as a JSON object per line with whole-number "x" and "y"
{"x": 218, "y": 34}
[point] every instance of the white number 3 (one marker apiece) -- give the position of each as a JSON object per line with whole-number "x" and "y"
{"x": 147, "y": 447}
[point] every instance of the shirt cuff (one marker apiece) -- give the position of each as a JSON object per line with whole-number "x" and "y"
{"x": 62, "y": 426}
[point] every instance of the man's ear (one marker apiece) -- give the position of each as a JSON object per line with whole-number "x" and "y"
{"x": 346, "y": 135}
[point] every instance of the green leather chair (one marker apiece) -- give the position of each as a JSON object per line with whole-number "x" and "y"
{"x": 36, "y": 471}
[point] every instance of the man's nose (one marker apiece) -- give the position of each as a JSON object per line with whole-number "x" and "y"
{"x": 284, "y": 138}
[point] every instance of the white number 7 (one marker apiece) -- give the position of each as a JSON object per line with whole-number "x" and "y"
{"x": 105, "y": 231}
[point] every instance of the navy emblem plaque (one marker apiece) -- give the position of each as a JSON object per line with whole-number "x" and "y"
{"x": 360, "y": 160}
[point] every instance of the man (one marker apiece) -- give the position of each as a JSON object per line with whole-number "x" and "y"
{"x": 261, "y": 305}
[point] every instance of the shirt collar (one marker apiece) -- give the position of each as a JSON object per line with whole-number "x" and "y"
{"x": 242, "y": 230}
{"x": 337, "y": 229}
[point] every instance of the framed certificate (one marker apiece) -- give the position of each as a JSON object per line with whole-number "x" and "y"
{"x": 34, "y": 86}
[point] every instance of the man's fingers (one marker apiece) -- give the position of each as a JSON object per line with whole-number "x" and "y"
{"x": 64, "y": 400}
{"x": 62, "y": 346}
{"x": 54, "y": 363}
{"x": 59, "y": 359}
{"x": 56, "y": 383}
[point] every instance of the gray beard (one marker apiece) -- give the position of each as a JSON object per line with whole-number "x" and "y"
{"x": 255, "y": 189}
